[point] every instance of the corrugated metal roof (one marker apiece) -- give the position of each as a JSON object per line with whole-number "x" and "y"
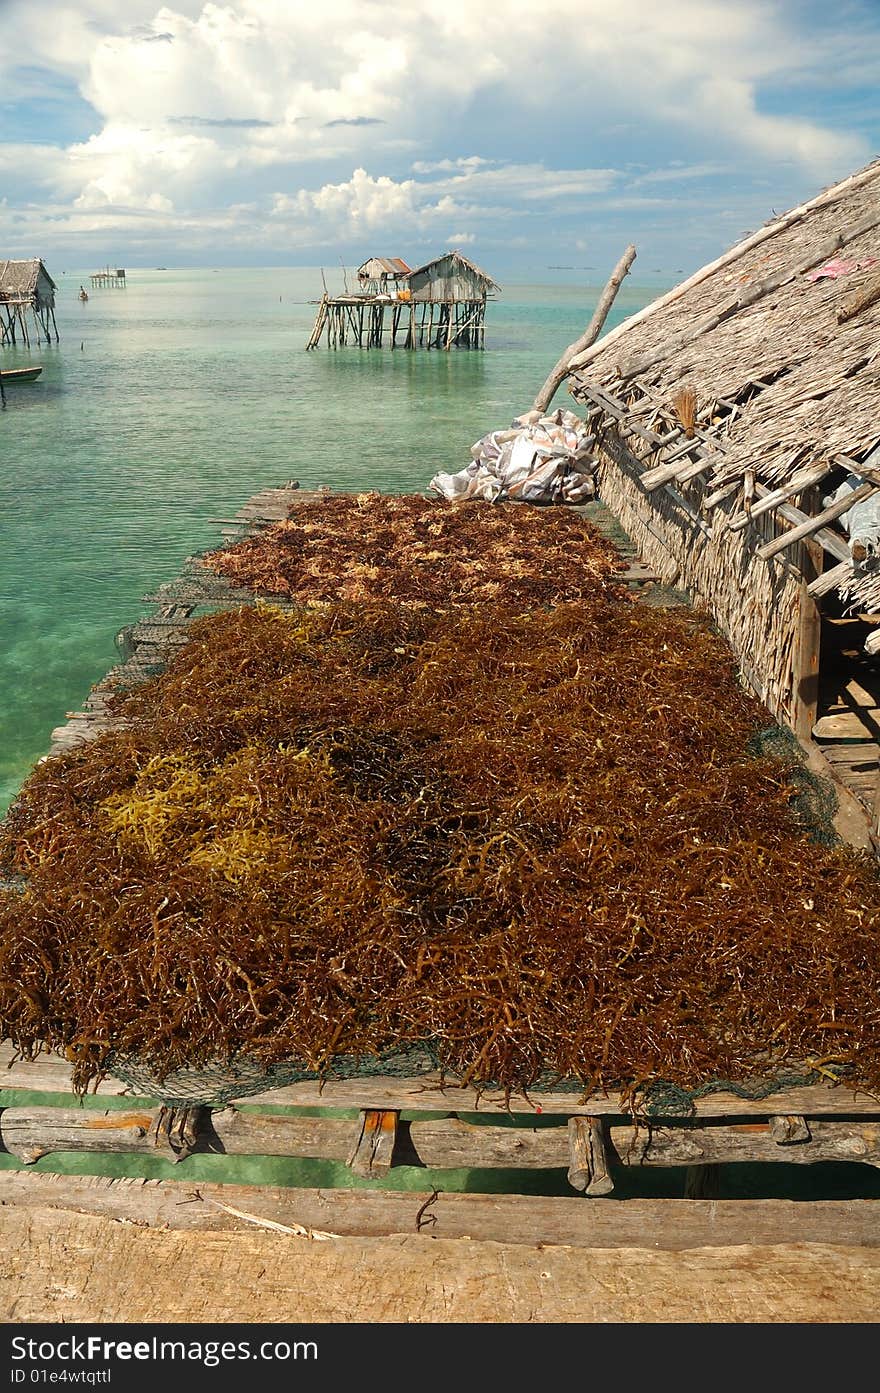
{"x": 456, "y": 256}
{"x": 391, "y": 265}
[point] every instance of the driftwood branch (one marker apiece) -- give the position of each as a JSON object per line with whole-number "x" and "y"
{"x": 592, "y": 332}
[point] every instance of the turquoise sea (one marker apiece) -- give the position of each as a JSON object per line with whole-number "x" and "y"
{"x": 170, "y": 402}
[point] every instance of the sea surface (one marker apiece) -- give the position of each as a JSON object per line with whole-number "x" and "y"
{"x": 167, "y": 404}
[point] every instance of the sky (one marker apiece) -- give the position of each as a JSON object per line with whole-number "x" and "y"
{"x": 529, "y": 136}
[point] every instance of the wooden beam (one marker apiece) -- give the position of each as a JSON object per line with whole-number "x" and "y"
{"x": 803, "y": 479}
{"x": 583, "y": 1147}
{"x": 830, "y": 579}
{"x": 425, "y": 1092}
{"x": 374, "y": 1148}
{"x": 819, "y": 520}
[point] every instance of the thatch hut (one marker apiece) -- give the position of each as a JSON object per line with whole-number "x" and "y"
{"x": 382, "y": 274}
{"x": 26, "y": 288}
{"x": 735, "y": 416}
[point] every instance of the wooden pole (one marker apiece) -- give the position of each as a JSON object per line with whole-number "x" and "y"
{"x": 805, "y": 677}
{"x": 594, "y": 328}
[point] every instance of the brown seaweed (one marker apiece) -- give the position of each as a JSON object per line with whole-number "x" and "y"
{"x": 422, "y": 552}
{"x": 533, "y": 839}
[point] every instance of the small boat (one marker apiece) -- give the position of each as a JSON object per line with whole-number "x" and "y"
{"x": 20, "y": 374}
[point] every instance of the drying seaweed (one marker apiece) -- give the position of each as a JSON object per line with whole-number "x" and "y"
{"x": 422, "y": 552}
{"x": 532, "y": 844}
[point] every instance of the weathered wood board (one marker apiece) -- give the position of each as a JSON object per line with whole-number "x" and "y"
{"x": 62, "y": 1267}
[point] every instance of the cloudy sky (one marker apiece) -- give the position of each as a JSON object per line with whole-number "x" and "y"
{"x": 296, "y": 132}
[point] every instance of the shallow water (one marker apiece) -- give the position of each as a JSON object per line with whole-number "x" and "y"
{"x": 171, "y": 402}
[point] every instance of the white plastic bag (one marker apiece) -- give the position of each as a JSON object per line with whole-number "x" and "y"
{"x": 539, "y": 459}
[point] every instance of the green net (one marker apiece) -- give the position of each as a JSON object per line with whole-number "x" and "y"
{"x": 813, "y": 801}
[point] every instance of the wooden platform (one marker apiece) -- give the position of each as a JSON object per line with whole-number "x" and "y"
{"x": 415, "y": 1124}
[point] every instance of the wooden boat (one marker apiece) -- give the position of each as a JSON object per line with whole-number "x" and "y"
{"x": 20, "y": 374}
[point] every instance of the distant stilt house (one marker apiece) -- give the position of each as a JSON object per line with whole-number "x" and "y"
{"x": 110, "y": 276}
{"x": 26, "y": 291}
{"x": 738, "y": 421}
{"x": 439, "y": 305}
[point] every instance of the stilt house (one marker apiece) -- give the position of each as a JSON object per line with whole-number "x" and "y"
{"x": 737, "y": 419}
{"x": 439, "y": 305}
{"x": 26, "y": 290}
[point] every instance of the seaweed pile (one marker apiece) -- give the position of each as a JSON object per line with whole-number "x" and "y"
{"x": 533, "y": 842}
{"x": 419, "y": 551}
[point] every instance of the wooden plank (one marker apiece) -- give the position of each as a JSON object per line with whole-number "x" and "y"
{"x": 519, "y": 1219}
{"x": 51, "y": 1073}
{"x": 67, "y": 1269}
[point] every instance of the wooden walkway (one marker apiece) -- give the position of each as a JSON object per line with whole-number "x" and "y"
{"x": 419, "y": 1122}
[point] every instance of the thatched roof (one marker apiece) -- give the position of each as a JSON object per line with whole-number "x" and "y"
{"x": 783, "y": 366}
{"x": 18, "y": 279}
{"x": 455, "y": 260}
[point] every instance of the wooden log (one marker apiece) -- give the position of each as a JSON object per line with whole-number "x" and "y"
{"x": 819, "y": 520}
{"x": 830, "y": 580}
{"x": 591, "y": 333}
{"x": 374, "y": 1148}
{"x": 30, "y": 1132}
{"x": 520, "y": 1219}
{"x": 803, "y": 479}
{"x": 862, "y": 299}
{"x": 789, "y": 1131}
{"x": 588, "y": 1167}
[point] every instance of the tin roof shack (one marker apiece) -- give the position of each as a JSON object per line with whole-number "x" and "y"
{"x": 459, "y": 291}
{"x": 26, "y": 288}
{"x": 382, "y": 275}
{"x": 730, "y": 413}
{"x": 440, "y": 304}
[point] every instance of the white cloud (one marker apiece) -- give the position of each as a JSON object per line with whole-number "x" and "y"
{"x": 200, "y": 104}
